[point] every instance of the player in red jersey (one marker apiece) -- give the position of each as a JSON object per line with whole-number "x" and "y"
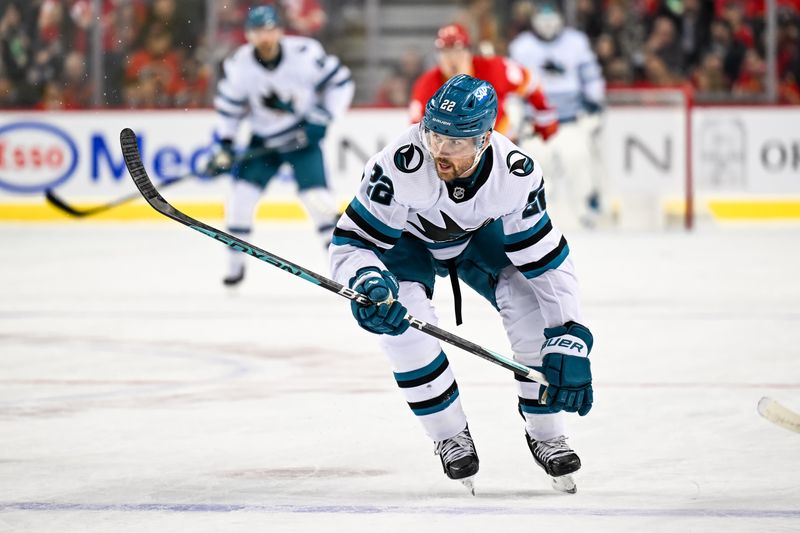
{"x": 507, "y": 77}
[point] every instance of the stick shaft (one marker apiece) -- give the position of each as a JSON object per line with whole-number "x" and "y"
{"x": 137, "y": 171}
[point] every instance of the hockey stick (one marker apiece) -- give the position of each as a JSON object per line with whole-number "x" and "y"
{"x": 778, "y": 414}
{"x": 60, "y": 204}
{"x": 133, "y": 161}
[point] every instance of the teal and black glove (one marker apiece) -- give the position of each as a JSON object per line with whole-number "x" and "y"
{"x": 315, "y": 124}
{"x": 221, "y": 161}
{"x": 566, "y": 366}
{"x": 386, "y": 315}
{"x": 314, "y": 132}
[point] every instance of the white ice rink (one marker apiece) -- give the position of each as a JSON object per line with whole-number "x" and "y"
{"x": 136, "y": 394}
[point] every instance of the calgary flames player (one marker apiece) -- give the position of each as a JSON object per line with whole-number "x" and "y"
{"x": 507, "y": 77}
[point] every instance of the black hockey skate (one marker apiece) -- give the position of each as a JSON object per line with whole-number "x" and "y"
{"x": 557, "y": 459}
{"x": 459, "y": 458}
{"x": 234, "y": 279}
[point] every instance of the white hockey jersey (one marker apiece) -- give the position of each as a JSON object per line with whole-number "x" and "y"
{"x": 567, "y": 67}
{"x": 401, "y": 192}
{"x": 303, "y": 83}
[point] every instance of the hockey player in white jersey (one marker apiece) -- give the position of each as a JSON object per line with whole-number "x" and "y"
{"x": 572, "y": 79}
{"x": 291, "y": 90}
{"x": 452, "y": 197}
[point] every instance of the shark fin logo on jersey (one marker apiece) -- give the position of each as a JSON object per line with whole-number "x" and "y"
{"x": 408, "y": 158}
{"x": 519, "y": 164}
{"x": 273, "y": 101}
{"x": 553, "y": 68}
{"x": 450, "y": 232}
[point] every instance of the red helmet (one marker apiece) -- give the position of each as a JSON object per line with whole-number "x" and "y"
{"x": 452, "y": 35}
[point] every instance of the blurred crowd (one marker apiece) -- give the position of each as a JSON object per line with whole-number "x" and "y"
{"x": 155, "y": 54}
{"x": 716, "y": 47}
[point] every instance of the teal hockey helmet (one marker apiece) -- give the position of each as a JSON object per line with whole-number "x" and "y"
{"x": 463, "y": 107}
{"x": 261, "y": 17}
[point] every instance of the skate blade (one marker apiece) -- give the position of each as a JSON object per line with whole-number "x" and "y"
{"x": 564, "y": 483}
{"x": 469, "y": 482}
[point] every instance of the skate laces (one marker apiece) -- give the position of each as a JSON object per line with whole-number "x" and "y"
{"x": 456, "y": 447}
{"x": 554, "y": 447}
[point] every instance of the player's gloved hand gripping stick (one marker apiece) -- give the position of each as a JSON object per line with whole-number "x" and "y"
{"x": 133, "y": 161}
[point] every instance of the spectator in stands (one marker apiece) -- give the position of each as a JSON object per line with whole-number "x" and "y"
{"x": 16, "y": 55}
{"x": 628, "y": 36}
{"x": 395, "y": 89}
{"x": 709, "y": 76}
{"x": 663, "y": 43}
{"x": 730, "y": 50}
{"x": 657, "y": 73}
{"x": 479, "y": 18}
{"x": 193, "y": 85}
{"x": 183, "y": 21}
{"x": 694, "y": 26}
{"x": 156, "y": 68}
{"x": 77, "y": 90}
{"x": 751, "y": 75}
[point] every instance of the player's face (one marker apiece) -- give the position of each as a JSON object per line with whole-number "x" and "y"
{"x": 453, "y": 156}
{"x": 455, "y": 60}
{"x": 265, "y": 39}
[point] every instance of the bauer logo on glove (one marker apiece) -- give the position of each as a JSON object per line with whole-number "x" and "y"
{"x": 566, "y": 366}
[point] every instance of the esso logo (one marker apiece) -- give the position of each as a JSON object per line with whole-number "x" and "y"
{"x": 35, "y": 156}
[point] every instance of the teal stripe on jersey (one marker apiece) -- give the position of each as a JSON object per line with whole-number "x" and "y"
{"x": 514, "y": 238}
{"x": 373, "y": 221}
{"x": 554, "y": 263}
{"x": 420, "y": 372}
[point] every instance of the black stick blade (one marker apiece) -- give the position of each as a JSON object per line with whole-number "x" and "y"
{"x": 130, "y": 151}
{"x": 59, "y": 204}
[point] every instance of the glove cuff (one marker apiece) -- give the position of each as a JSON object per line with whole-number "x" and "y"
{"x": 363, "y": 274}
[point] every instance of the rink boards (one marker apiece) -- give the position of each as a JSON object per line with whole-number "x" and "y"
{"x": 745, "y": 160}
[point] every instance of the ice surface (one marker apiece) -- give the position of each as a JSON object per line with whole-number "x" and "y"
{"x": 138, "y": 394}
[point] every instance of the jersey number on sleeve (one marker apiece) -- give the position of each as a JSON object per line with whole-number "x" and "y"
{"x": 380, "y": 187}
{"x": 536, "y": 202}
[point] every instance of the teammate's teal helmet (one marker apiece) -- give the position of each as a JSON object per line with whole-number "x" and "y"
{"x": 463, "y": 107}
{"x": 262, "y": 16}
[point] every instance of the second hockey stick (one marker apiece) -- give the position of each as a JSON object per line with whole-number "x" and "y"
{"x": 60, "y": 204}
{"x": 133, "y": 161}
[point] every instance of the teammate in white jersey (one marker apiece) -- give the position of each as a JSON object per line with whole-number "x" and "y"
{"x": 452, "y": 197}
{"x": 572, "y": 79}
{"x": 291, "y": 90}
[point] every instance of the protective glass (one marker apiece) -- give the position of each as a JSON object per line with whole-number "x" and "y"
{"x": 439, "y": 145}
